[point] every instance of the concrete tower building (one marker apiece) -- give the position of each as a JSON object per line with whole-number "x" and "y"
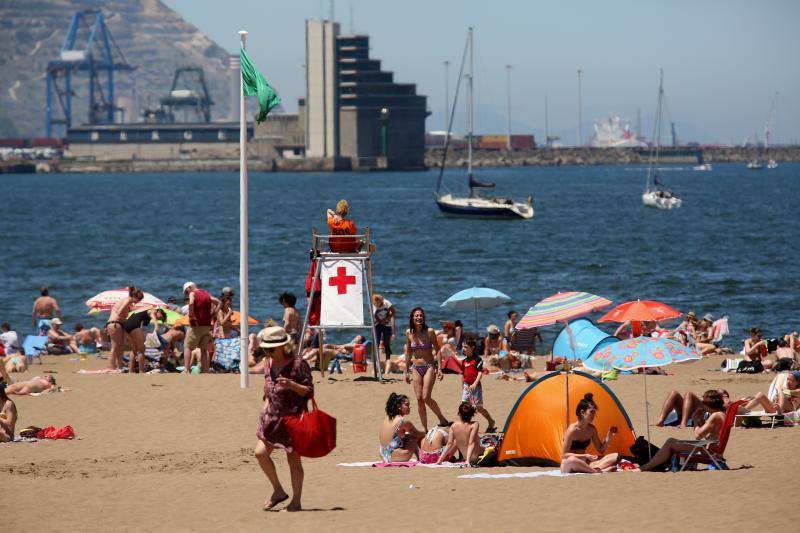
{"x": 354, "y": 109}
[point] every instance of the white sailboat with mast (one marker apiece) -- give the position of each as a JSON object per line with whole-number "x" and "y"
{"x": 656, "y": 194}
{"x": 474, "y": 205}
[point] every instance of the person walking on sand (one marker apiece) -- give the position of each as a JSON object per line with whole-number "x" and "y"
{"x": 287, "y": 387}
{"x": 44, "y": 308}
{"x": 115, "y": 327}
{"x": 471, "y": 389}
{"x": 422, "y": 347}
{"x": 198, "y": 335}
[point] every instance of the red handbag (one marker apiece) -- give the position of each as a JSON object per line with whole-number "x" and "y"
{"x": 313, "y": 432}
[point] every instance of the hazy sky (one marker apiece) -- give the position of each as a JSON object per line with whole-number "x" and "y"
{"x": 723, "y": 60}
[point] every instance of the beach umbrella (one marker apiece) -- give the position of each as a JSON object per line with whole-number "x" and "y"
{"x": 562, "y": 307}
{"x": 641, "y": 352}
{"x": 105, "y": 300}
{"x": 640, "y": 311}
{"x": 474, "y": 299}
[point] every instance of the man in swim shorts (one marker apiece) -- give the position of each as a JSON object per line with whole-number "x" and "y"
{"x": 44, "y": 308}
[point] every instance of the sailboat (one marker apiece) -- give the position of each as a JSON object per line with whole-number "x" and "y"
{"x": 475, "y": 205}
{"x": 701, "y": 164}
{"x": 656, "y": 194}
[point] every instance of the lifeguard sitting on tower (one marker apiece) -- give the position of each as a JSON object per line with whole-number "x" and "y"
{"x": 342, "y": 229}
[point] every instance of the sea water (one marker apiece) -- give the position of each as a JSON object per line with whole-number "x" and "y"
{"x": 732, "y": 249}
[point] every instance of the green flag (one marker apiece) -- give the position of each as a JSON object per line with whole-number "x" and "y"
{"x": 255, "y": 84}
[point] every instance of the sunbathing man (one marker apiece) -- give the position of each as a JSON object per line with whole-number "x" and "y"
{"x": 86, "y": 339}
{"x": 37, "y": 384}
{"x": 463, "y": 437}
{"x": 59, "y": 342}
{"x": 8, "y": 415}
{"x": 714, "y": 404}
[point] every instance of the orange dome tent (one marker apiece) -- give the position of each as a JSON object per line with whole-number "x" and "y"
{"x": 534, "y": 431}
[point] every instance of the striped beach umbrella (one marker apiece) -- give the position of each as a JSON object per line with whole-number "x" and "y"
{"x": 105, "y": 300}
{"x": 561, "y": 307}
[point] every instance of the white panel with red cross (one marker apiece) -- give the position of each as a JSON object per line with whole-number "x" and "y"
{"x": 342, "y": 293}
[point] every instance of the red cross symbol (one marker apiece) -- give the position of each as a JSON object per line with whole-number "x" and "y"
{"x": 342, "y": 280}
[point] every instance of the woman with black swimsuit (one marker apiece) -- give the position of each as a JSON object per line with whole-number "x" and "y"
{"x": 115, "y": 327}
{"x": 577, "y": 439}
{"x": 134, "y": 327}
{"x": 422, "y": 347}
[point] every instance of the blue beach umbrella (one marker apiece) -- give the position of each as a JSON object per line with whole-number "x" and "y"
{"x": 474, "y": 299}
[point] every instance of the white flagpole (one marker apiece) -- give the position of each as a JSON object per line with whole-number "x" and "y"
{"x": 243, "y": 258}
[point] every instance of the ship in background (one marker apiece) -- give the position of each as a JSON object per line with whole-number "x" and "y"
{"x": 614, "y": 132}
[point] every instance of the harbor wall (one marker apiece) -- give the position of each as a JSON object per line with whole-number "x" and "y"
{"x": 433, "y": 158}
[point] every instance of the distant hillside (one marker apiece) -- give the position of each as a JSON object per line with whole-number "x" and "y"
{"x": 152, "y": 37}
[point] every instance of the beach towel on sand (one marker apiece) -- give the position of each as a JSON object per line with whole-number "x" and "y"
{"x": 402, "y": 464}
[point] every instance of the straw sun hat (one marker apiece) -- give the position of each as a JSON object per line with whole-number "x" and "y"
{"x": 272, "y": 337}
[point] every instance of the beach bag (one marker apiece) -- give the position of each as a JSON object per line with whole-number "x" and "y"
{"x": 639, "y": 450}
{"x": 750, "y": 367}
{"x": 313, "y": 432}
{"x": 226, "y": 353}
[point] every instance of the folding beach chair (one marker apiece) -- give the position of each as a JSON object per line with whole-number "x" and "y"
{"x": 34, "y": 346}
{"x": 709, "y": 451}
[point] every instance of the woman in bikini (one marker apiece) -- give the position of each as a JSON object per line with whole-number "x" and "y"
{"x": 115, "y": 327}
{"x": 224, "y": 319}
{"x": 422, "y": 349}
{"x": 578, "y": 437}
{"x": 399, "y": 439}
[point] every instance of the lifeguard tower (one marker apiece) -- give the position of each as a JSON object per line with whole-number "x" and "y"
{"x": 342, "y": 270}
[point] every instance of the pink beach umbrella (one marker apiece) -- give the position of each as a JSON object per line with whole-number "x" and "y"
{"x": 107, "y": 299}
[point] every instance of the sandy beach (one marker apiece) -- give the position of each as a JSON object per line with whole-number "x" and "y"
{"x": 171, "y": 452}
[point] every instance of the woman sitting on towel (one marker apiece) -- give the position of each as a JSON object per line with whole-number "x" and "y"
{"x": 399, "y": 439}
{"x": 578, "y": 437}
{"x": 715, "y": 405}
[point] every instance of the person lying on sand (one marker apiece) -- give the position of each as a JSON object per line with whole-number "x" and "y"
{"x": 37, "y": 384}
{"x": 463, "y": 437}
{"x": 8, "y": 415}
{"x": 398, "y": 438}
{"x": 714, "y": 404}
{"x": 578, "y": 437}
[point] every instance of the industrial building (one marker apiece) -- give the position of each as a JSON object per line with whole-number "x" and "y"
{"x": 354, "y": 115}
{"x": 354, "y": 109}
